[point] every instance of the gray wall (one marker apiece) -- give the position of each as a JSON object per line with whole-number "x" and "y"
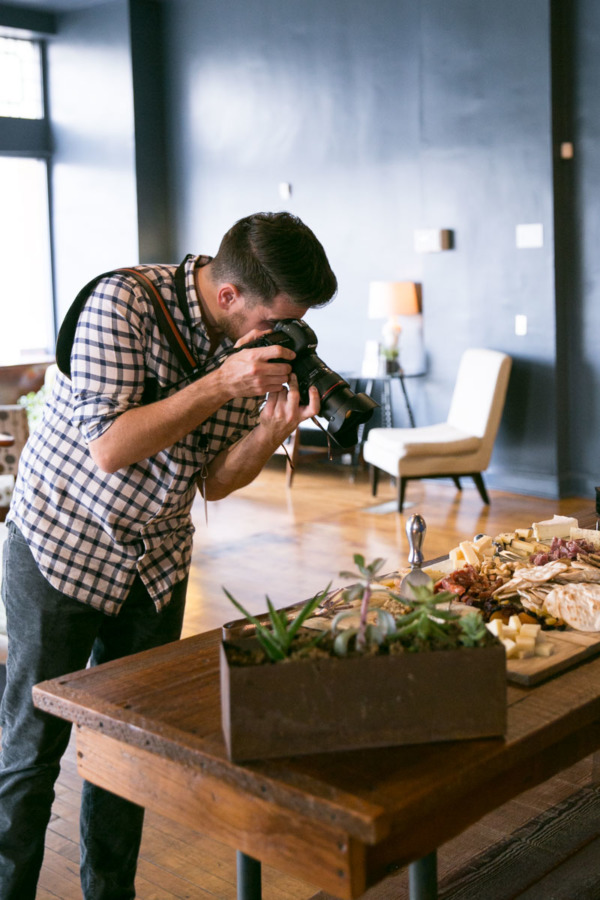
{"x": 385, "y": 116}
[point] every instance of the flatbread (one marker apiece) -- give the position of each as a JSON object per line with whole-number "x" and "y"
{"x": 577, "y": 576}
{"x": 576, "y": 604}
{"x": 529, "y": 576}
{"x": 537, "y": 574}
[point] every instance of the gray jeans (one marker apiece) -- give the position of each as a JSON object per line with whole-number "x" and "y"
{"x": 50, "y": 635}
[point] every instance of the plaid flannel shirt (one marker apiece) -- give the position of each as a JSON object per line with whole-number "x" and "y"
{"x": 92, "y": 532}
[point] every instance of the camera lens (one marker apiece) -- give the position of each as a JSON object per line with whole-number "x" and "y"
{"x": 343, "y": 409}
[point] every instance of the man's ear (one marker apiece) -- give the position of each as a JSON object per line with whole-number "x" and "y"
{"x": 228, "y": 296}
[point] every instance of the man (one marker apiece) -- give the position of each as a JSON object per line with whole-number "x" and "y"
{"x": 99, "y": 535}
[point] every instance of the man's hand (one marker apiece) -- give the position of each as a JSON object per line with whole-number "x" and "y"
{"x": 282, "y": 413}
{"x": 252, "y": 372}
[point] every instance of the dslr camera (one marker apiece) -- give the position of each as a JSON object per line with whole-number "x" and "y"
{"x": 343, "y": 409}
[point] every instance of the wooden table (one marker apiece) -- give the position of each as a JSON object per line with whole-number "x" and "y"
{"x": 148, "y": 728}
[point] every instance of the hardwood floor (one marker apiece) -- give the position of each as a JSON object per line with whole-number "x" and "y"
{"x": 289, "y": 544}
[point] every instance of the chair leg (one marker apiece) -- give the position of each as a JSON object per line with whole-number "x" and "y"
{"x": 478, "y": 479}
{"x": 456, "y": 481}
{"x": 374, "y": 477}
{"x": 401, "y": 492}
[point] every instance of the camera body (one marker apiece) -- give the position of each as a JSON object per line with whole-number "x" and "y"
{"x": 344, "y": 410}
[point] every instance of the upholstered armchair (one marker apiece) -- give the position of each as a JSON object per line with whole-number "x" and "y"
{"x": 460, "y": 446}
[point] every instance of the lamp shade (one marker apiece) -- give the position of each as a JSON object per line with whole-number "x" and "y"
{"x": 393, "y": 298}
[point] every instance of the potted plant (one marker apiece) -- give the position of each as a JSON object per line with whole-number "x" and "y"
{"x": 391, "y": 358}
{"x": 405, "y": 672}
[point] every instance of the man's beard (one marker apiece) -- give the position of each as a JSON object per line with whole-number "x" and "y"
{"x": 233, "y": 326}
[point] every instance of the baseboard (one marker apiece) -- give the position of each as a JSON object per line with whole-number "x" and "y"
{"x": 574, "y": 485}
{"x": 529, "y": 483}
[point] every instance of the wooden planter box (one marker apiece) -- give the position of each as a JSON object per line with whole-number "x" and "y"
{"x": 312, "y": 706}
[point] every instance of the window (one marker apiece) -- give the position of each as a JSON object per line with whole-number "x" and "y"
{"x": 25, "y": 272}
{"x": 26, "y": 293}
{"x": 21, "y": 91}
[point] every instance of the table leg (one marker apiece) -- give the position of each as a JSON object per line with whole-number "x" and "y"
{"x": 386, "y": 404}
{"x": 248, "y": 877}
{"x": 422, "y": 878}
{"x": 411, "y": 418}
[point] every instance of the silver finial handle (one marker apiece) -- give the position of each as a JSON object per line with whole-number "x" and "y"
{"x": 415, "y": 532}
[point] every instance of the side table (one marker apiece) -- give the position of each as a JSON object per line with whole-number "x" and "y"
{"x": 387, "y": 411}
{"x": 386, "y": 397}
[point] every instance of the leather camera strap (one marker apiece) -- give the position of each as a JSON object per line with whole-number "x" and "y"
{"x": 166, "y": 323}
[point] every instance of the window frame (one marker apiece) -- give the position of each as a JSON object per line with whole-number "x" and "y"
{"x": 31, "y": 138}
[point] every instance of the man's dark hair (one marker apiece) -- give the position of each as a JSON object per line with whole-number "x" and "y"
{"x": 275, "y": 253}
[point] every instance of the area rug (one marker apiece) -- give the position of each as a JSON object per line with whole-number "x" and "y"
{"x": 552, "y": 857}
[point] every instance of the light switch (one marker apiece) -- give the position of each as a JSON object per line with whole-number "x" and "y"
{"x": 520, "y": 325}
{"x": 530, "y": 237}
{"x": 285, "y": 190}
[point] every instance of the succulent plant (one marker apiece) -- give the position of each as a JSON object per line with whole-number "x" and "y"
{"x": 277, "y": 640}
{"x": 419, "y": 624}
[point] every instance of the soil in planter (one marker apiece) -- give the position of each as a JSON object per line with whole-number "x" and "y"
{"x": 304, "y": 647}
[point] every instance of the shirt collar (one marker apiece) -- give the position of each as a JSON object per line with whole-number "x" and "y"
{"x": 195, "y": 309}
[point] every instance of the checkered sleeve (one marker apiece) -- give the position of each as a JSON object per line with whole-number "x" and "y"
{"x": 107, "y": 360}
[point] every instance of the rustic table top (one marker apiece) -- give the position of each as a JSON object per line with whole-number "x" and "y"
{"x": 149, "y": 728}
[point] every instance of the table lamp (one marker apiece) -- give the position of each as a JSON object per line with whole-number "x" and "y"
{"x": 389, "y": 300}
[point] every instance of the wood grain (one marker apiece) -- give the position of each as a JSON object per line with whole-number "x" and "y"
{"x": 299, "y": 845}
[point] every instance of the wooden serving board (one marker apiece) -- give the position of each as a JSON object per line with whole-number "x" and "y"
{"x": 571, "y": 648}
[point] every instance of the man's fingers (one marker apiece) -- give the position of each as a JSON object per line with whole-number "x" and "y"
{"x": 249, "y": 336}
{"x": 314, "y": 401}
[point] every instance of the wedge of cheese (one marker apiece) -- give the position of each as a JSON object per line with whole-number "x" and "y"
{"x": 586, "y": 534}
{"x": 483, "y": 545}
{"x": 470, "y": 553}
{"x": 559, "y": 526}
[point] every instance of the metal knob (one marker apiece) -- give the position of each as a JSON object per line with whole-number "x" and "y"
{"x": 415, "y": 532}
